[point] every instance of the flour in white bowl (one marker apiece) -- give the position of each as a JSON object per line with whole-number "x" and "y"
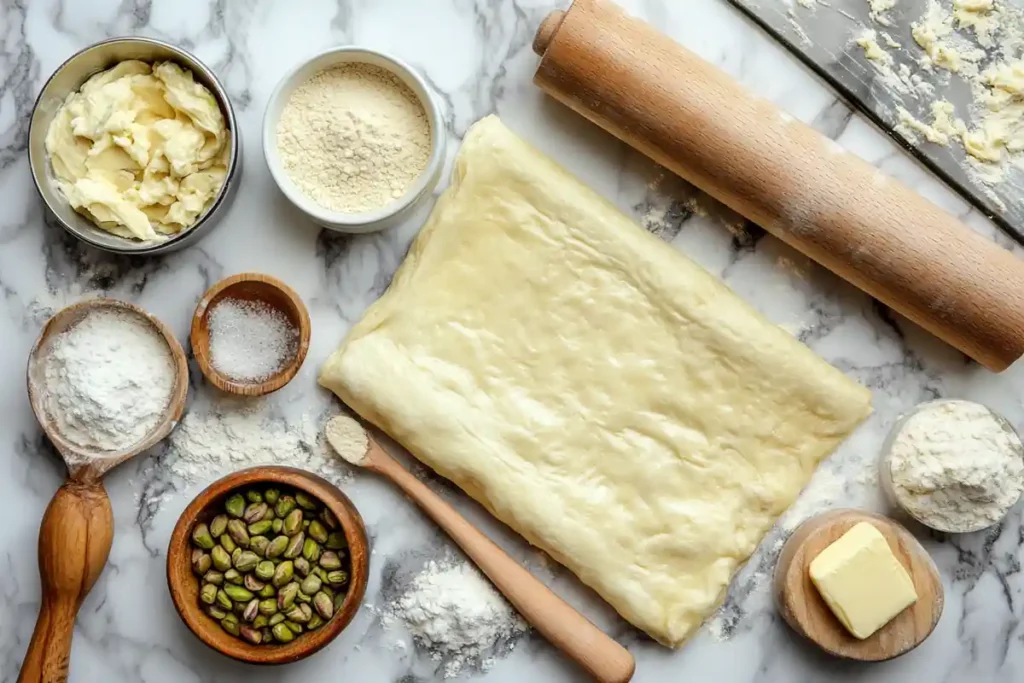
{"x": 956, "y": 466}
{"x": 354, "y": 138}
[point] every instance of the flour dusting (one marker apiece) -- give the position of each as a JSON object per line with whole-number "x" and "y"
{"x": 231, "y": 434}
{"x": 454, "y": 613}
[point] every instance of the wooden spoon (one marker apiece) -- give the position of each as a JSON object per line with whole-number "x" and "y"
{"x": 805, "y": 610}
{"x": 78, "y": 525}
{"x": 568, "y": 630}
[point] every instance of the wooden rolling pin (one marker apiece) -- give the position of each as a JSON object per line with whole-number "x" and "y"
{"x": 869, "y": 229}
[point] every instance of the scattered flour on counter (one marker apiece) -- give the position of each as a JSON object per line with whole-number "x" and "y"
{"x": 944, "y": 124}
{"x": 231, "y": 434}
{"x": 868, "y": 40}
{"x": 455, "y": 614}
{"x": 978, "y": 15}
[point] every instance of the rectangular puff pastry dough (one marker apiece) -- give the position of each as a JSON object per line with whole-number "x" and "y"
{"x": 596, "y": 390}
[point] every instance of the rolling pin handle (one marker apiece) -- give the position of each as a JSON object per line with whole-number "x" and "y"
{"x": 546, "y": 33}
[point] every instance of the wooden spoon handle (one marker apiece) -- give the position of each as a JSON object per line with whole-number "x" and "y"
{"x": 74, "y": 542}
{"x": 563, "y": 626}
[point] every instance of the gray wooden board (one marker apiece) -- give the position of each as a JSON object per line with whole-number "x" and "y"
{"x": 823, "y": 37}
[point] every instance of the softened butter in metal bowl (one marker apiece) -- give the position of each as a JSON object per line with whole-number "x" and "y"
{"x": 141, "y": 149}
{"x": 69, "y": 78}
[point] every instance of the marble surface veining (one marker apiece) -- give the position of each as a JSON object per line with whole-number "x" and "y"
{"x": 477, "y": 54}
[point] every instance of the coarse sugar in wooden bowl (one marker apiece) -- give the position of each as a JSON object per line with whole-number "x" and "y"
{"x": 257, "y": 292}
{"x": 184, "y": 584}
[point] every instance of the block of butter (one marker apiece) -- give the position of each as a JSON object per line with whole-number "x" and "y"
{"x": 861, "y": 580}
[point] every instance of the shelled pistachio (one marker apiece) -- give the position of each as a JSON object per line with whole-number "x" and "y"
{"x": 255, "y": 512}
{"x": 282, "y": 633}
{"x": 201, "y": 537}
{"x": 317, "y": 531}
{"x": 330, "y": 560}
{"x": 329, "y": 519}
{"x": 311, "y": 550}
{"x": 251, "y": 608}
{"x": 286, "y": 596}
{"x": 201, "y": 562}
{"x": 218, "y": 525}
{"x": 323, "y": 605}
{"x": 295, "y": 546}
{"x": 311, "y": 585}
{"x": 250, "y": 634}
{"x": 252, "y": 583}
{"x": 208, "y": 593}
{"x": 216, "y": 612}
{"x": 235, "y": 505}
{"x": 227, "y": 543}
{"x": 230, "y": 624}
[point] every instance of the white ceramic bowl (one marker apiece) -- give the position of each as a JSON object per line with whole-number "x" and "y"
{"x": 885, "y": 467}
{"x": 390, "y": 214}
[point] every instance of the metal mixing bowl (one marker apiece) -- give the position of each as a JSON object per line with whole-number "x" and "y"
{"x": 68, "y": 78}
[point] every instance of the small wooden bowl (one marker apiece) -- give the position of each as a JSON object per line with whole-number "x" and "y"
{"x": 184, "y": 585}
{"x": 803, "y": 608}
{"x": 250, "y": 287}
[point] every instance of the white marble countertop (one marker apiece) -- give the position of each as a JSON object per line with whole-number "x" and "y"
{"x": 477, "y": 54}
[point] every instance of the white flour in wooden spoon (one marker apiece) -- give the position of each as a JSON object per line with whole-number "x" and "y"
{"x": 348, "y": 438}
{"x": 108, "y": 380}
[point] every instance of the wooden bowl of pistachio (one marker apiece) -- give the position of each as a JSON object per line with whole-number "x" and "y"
{"x": 268, "y": 565}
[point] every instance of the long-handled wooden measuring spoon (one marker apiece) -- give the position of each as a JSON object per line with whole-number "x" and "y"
{"x": 568, "y": 630}
{"x": 78, "y": 525}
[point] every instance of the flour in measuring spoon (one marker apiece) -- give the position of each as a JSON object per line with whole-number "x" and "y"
{"x": 108, "y": 380}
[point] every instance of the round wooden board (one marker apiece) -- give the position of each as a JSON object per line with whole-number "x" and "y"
{"x": 806, "y": 612}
